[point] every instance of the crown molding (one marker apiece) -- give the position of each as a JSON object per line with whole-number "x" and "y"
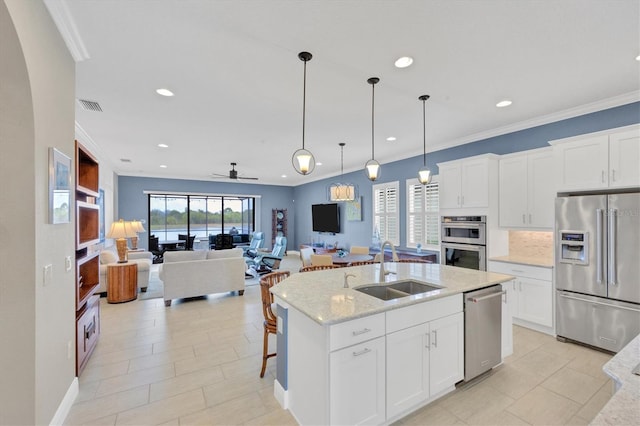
{"x": 589, "y": 108}
{"x": 59, "y": 11}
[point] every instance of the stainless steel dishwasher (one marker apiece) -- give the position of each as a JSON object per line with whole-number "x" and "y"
{"x": 482, "y": 330}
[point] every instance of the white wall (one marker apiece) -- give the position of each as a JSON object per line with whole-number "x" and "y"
{"x": 37, "y": 322}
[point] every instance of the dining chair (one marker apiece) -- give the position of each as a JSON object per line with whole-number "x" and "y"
{"x": 321, "y": 259}
{"x": 362, "y": 262}
{"x": 305, "y": 255}
{"x": 318, "y": 267}
{"x": 359, "y": 250}
{"x": 270, "y": 320}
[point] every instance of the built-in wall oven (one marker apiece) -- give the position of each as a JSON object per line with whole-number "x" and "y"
{"x": 463, "y": 242}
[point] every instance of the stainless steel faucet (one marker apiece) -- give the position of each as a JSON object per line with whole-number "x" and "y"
{"x": 346, "y": 279}
{"x": 384, "y": 273}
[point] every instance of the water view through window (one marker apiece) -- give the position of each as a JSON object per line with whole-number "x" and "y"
{"x": 199, "y": 216}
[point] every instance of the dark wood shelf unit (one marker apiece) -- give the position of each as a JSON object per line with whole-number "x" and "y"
{"x": 87, "y": 261}
{"x": 87, "y": 172}
{"x": 88, "y": 278}
{"x": 278, "y": 224}
{"x": 88, "y": 224}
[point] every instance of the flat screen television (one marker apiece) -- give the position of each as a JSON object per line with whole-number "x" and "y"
{"x": 326, "y": 218}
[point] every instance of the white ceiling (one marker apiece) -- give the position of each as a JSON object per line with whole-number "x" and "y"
{"x": 234, "y": 68}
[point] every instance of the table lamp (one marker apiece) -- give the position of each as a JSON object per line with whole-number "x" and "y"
{"x": 120, "y": 231}
{"x": 137, "y": 227}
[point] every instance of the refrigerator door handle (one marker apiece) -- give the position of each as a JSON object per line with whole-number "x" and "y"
{"x": 599, "y": 277}
{"x": 612, "y": 246}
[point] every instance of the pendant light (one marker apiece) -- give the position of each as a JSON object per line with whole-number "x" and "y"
{"x": 424, "y": 174}
{"x": 342, "y": 191}
{"x": 303, "y": 161}
{"x": 372, "y": 167}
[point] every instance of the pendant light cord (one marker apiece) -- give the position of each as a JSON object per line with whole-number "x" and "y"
{"x": 424, "y": 133}
{"x": 373, "y": 96}
{"x": 304, "y": 100}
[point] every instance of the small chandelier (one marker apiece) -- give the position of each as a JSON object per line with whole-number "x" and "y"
{"x": 342, "y": 191}
{"x": 424, "y": 174}
{"x": 372, "y": 167}
{"x": 303, "y": 161}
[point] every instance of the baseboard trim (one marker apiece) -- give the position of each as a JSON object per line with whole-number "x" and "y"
{"x": 65, "y": 406}
{"x": 281, "y": 395}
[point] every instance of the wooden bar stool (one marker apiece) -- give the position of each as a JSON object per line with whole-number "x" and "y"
{"x": 270, "y": 320}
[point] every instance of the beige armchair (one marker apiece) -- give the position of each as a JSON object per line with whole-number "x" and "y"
{"x": 143, "y": 259}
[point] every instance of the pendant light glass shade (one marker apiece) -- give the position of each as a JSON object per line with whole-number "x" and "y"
{"x": 302, "y": 160}
{"x": 424, "y": 174}
{"x": 342, "y": 191}
{"x": 372, "y": 167}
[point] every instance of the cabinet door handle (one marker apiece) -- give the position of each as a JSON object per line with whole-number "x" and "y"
{"x": 428, "y": 336}
{"x": 362, "y": 352}
{"x": 613, "y": 175}
{"x": 458, "y": 200}
{"x": 523, "y": 218}
{"x": 602, "y": 177}
{"x": 530, "y": 218}
{"x": 520, "y": 285}
{"x": 359, "y": 332}
{"x": 462, "y": 199}
{"x": 435, "y": 338}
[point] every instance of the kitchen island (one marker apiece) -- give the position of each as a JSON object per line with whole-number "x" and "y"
{"x": 345, "y": 357}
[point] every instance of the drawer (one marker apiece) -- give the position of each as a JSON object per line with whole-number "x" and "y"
{"x": 356, "y": 331}
{"x": 399, "y": 319}
{"x": 520, "y": 270}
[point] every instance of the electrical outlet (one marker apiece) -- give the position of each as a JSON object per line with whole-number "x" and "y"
{"x": 67, "y": 263}
{"x": 69, "y": 349}
{"x": 47, "y": 275}
{"x": 279, "y": 324}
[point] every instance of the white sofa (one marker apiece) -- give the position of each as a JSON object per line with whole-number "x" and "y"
{"x": 201, "y": 272}
{"x": 143, "y": 259}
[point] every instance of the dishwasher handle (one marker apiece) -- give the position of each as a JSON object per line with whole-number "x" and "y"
{"x": 488, "y": 296}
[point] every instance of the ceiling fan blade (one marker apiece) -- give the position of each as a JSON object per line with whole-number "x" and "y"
{"x": 246, "y": 178}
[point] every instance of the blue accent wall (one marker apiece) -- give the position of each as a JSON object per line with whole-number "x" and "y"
{"x": 132, "y": 202}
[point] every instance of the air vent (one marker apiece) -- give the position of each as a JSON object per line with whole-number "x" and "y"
{"x": 89, "y": 105}
{"x": 125, "y": 160}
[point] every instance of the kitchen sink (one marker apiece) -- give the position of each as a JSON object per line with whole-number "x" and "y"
{"x": 396, "y": 290}
{"x": 382, "y": 292}
{"x": 412, "y": 287}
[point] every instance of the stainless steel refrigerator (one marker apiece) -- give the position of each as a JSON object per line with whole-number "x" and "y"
{"x": 597, "y": 269}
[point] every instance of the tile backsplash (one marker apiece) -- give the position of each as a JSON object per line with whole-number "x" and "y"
{"x": 531, "y": 244}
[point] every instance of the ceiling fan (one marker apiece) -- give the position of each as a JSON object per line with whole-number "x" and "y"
{"x": 233, "y": 174}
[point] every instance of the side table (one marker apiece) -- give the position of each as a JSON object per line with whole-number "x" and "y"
{"x": 122, "y": 282}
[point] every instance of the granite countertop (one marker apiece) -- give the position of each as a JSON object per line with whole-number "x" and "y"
{"x": 624, "y": 406}
{"x": 545, "y": 262}
{"x": 322, "y": 297}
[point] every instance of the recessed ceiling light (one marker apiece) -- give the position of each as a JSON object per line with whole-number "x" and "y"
{"x": 318, "y": 164}
{"x": 404, "y": 62}
{"x": 638, "y": 58}
{"x": 283, "y": 176}
{"x": 163, "y": 145}
{"x": 504, "y": 103}
{"x": 391, "y": 138}
{"x": 164, "y": 92}
{"x": 162, "y": 166}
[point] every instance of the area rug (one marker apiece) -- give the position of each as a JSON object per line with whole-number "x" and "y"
{"x": 291, "y": 262}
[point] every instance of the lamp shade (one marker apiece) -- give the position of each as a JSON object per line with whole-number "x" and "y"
{"x": 137, "y": 226}
{"x": 121, "y": 229}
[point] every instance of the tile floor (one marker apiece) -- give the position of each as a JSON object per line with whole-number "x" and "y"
{"x": 198, "y": 362}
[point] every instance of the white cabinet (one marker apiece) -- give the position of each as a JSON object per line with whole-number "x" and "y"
{"x": 603, "y": 160}
{"x": 527, "y": 189}
{"x": 423, "y": 358}
{"x": 466, "y": 183}
{"x": 507, "y": 320}
{"x": 529, "y": 295}
{"x": 357, "y": 384}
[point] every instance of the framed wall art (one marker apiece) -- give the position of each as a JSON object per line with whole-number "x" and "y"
{"x": 354, "y": 209}
{"x": 59, "y": 187}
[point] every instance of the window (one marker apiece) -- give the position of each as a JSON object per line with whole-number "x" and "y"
{"x": 386, "y": 216}
{"x": 199, "y": 215}
{"x": 423, "y": 214}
